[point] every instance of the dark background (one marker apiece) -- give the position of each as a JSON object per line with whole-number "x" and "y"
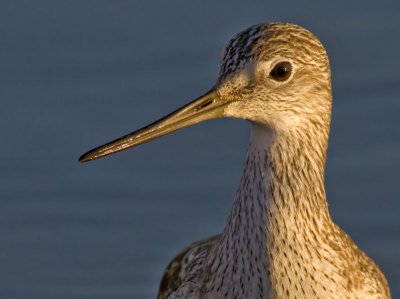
{"x": 75, "y": 74}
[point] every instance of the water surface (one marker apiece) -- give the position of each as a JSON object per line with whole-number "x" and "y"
{"x": 75, "y": 74}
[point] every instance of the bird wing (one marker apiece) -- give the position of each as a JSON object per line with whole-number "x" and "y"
{"x": 188, "y": 261}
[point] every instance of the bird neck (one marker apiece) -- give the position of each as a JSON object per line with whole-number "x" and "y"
{"x": 281, "y": 196}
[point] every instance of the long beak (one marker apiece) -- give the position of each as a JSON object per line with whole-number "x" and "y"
{"x": 208, "y": 106}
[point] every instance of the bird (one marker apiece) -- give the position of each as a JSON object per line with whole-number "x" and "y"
{"x": 279, "y": 240}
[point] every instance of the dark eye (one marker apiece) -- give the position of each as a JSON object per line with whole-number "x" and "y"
{"x": 281, "y": 71}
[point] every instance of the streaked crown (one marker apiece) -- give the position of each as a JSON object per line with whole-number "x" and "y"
{"x": 262, "y": 42}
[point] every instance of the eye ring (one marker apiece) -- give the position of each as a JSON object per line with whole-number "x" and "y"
{"x": 281, "y": 71}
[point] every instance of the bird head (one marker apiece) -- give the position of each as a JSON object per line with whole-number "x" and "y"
{"x": 274, "y": 74}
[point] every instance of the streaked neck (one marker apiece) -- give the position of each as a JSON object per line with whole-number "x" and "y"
{"x": 281, "y": 195}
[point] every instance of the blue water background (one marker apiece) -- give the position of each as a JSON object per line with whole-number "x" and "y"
{"x": 75, "y": 74}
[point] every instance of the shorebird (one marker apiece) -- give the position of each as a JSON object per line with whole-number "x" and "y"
{"x": 279, "y": 240}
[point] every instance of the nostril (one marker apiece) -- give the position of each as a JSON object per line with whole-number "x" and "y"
{"x": 203, "y": 105}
